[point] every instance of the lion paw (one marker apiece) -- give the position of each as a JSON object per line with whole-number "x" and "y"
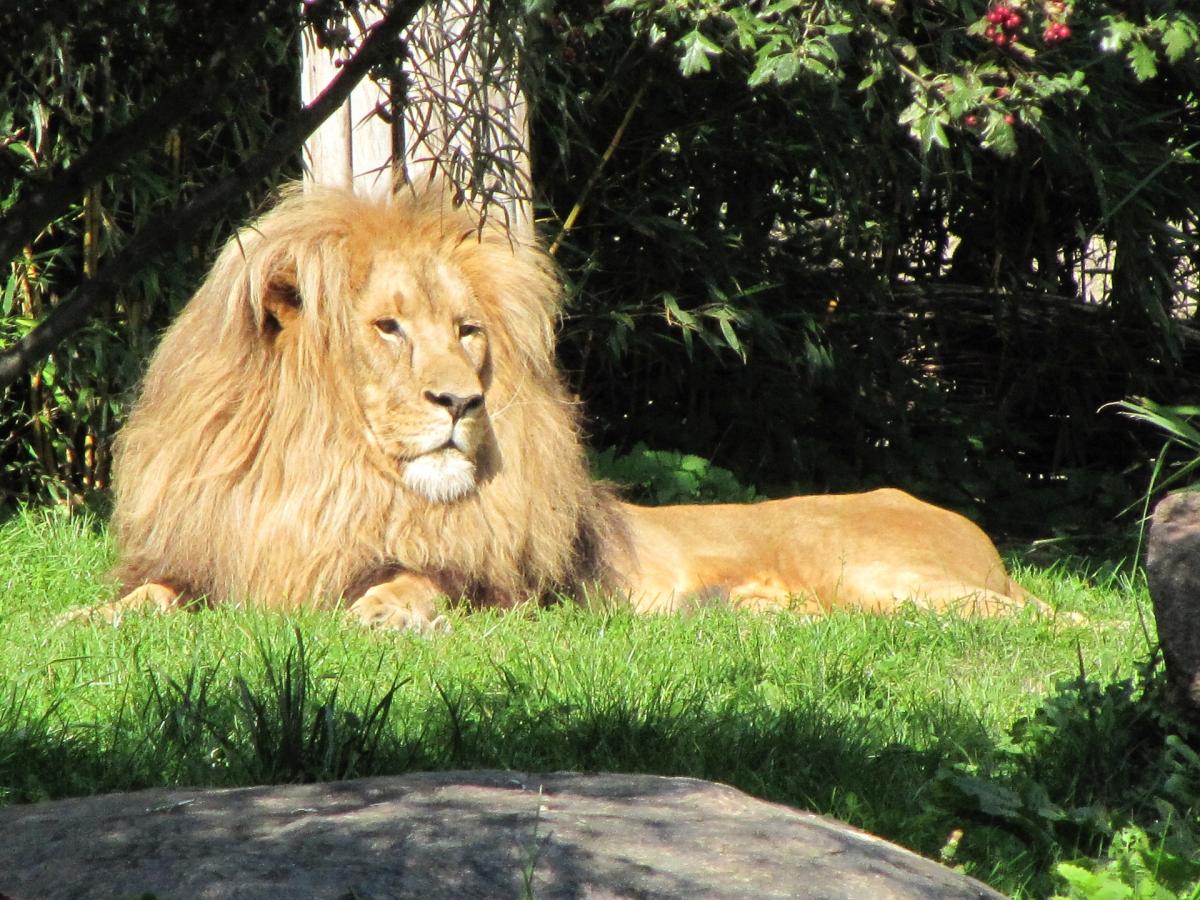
{"x": 150, "y": 596}
{"x": 378, "y": 610}
{"x": 88, "y": 614}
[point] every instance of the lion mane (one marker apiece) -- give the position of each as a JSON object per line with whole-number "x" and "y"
{"x": 245, "y": 471}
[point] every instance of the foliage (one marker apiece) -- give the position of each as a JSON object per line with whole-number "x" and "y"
{"x": 664, "y": 476}
{"x": 1178, "y": 424}
{"x": 956, "y": 67}
{"x": 1138, "y": 866}
{"x": 848, "y": 242}
{"x": 1106, "y": 768}
{"x": 831, "y": 244}
{"x": 137, "y": 108}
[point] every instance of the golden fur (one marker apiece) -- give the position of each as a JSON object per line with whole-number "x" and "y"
{"x": 872, "y": 551}
{"x": 361, "y": 404}
{"x": 265, "y": 459}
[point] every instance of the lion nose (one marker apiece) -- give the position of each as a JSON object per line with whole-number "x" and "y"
{"x": 455, "y": 404}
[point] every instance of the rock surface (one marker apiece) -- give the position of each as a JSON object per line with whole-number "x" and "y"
{"x": 1173, "y": 572}
{"x": 453, "y": 834}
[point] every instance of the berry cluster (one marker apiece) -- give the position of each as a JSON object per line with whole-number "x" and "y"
{"x": 1004, "y": 24}
{"x": 1056, "y": 32}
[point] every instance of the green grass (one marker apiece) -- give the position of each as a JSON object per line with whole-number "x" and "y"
{"x": 914, "y": 727}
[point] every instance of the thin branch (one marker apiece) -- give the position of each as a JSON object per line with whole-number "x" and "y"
{"x": 170, "y": 230}
{"x": 569, "y": 223}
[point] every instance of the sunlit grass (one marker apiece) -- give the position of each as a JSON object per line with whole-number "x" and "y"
{"x": 852, "y": 715}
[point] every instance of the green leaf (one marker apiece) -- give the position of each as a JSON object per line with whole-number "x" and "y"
{"x": 1118, "y": 33}
{"x": 775, "y": 61}
{"x": 780, "y": 6}
{"x": 696, "y": 52}
{"x": 870, "y": 80}
{"x": 817, "y": 68}
{"x": 731, "y": 337}
{"x": 993, "y": 799}
{"x": 999, "y": 135}
{"x": 780, "y": 69}
{"x": 682, "y": 316}
{"x": 1179, "y": 37}
{"x": 747, "y": 26}
{"x": 685, "y": 320}
{"x": 23, "y": 149}
{"x": 1076, "y": 876}
{"x": 1141, "y": 59}
{"x": 929, "y": 132}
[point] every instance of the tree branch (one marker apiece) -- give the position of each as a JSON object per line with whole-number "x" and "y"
{"x": 569, "y": 223}
{"x": 170, "y": 230}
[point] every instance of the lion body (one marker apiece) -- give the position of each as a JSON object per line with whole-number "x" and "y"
{"x": 361, "y": 404}
{"x": 871, "y": 551}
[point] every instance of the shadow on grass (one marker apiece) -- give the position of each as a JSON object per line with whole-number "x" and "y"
{"x": 1094, "y": 756}
{"x": 193, "y": 734}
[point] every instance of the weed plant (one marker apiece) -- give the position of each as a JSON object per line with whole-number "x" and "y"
{"x": 1034, "y": 754}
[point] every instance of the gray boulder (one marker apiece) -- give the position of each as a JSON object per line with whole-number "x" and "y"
{"x": 1173, "y": 572}
{"x": 454, "y": 834}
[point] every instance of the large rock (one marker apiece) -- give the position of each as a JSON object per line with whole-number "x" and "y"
{"x": 454, "y": 834}
{"x": 1173, "y": 572}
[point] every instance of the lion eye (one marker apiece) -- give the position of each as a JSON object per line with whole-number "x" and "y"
{"x": 389, "y": 327}
{"x": 466, "y": 329}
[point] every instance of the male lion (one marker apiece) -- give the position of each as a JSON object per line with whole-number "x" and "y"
{"x": 361, "y": 405}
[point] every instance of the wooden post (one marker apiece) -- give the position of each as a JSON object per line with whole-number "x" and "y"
{"x": 464, "y": 119}
{"x": 356, "y": 145}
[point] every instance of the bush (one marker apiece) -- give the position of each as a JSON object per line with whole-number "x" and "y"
{"x": 846, "y": 243}
{"x": 73, "y": 74}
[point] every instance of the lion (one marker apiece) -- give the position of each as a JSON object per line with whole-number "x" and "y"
{"x": 361, "y": 407}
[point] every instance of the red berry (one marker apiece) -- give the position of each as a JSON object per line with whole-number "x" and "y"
{"x": 970, "y": 120}
{"x": 999, "y": 13}
{"x": 1009, "y": 119}
{"x": 1001, "y": 92}
{"x": 989, "y": 32}
{"x": 1064, "y": 31}
{"x": 1013, "y": 22}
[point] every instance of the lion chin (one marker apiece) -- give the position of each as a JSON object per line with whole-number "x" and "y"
{"x": 442, "y": 476}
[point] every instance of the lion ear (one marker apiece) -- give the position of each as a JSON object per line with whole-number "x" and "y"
{"x": 281, "y": 306}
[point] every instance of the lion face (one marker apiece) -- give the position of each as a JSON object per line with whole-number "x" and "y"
{"x": 421, "y": 363}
